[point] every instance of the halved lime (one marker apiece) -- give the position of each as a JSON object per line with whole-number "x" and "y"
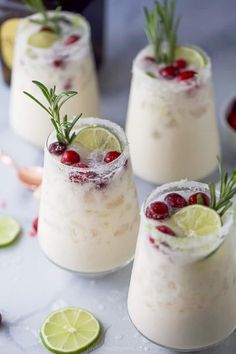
{"x": 9, "y": 230}
{"x": 192, "y": 55}
{"x": 97, "y": 138}
{"x": 197, "y": 220}
{"x": 69, "y": 330}
{"x": 42, "y": 39}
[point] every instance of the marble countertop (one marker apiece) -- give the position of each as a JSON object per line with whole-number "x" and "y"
{"x": 30, "y": 285}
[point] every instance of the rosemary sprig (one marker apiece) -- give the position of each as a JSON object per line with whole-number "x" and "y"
{"x": 161, "y": 30}
{"x": 52, "y": 22}
{"x": 63, "y": 126}
{"x": 227, "y": 191}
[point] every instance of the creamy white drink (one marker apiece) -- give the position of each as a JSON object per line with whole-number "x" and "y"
{"x": 89, "y": 219}
{"x": 183, "y": 287}
{"x": 63, "y": 59}
{"x": 171, "y": 122}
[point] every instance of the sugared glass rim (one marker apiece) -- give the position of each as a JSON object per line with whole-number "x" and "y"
{"x": 194, "y": 245}
{"x": 98, "y": 169}
{"x": 170, "y": 84}
{"x": 84, "y": 40}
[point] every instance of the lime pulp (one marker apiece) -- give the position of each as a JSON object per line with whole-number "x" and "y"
{"x": 97, "y": 138}
{"x": 192, "y": 55}
{"x": 197, "y": 220}
{"x": 70, "y": 330}
{"x": 42, "y": 39}
{"x": 9, "y": 230}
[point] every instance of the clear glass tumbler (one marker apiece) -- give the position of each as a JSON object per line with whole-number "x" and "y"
{"x": 171, "y": 125}
{"x": 183, "y": 289}
{"x": 65, "y": 61}
{"x": 89, "y": 218}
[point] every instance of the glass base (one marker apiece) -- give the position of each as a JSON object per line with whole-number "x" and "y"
{"x": 178, "y": 350}
{"x": 91, "y": 274}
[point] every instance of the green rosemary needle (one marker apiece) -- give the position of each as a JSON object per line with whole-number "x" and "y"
{"x": 45, "y": 20}
{"x": 63, "y": 126}
{"x": 227, "y": 191}
{"x": 161, "y": 30}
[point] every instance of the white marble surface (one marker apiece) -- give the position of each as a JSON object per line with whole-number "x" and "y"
{"x": 30, "y": 286}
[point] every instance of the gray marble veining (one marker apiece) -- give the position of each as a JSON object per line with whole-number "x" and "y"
{"x": 30, "y": 285}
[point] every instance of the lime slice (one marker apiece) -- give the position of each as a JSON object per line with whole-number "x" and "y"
{"x": 197, "y": 220}
{"x": 191, "y": 55}
{"x": 9, "y": 230}
{"x": 97, "y": 138}
{"x": 69, "y": 330}
{"x": 42, "y": 39}
{"x": 76, "y": 21}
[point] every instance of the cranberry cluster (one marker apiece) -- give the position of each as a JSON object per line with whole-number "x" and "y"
{"x": 72, "y": 158}
{"x": 176, "y": 71}
{"x": 172, "y": 203}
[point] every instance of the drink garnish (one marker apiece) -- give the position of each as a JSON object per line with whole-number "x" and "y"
{"x": 47, "y": 21}
{"x": 161, "y": 30}
{"x": 62, "y": 125}
{"x": 98, "y": 138}
{"x": 70, "y": 330}
{"x": 9, "y": 230}
{"x": 227, "y": 191}
{"x": 197, "y": 220}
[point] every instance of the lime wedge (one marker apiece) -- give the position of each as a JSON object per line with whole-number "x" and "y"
{"x": 97, "y": 138}
{"x": 191, "y": 55}
{"x": 197, "y": 220}
{"x": 69, "y": 330}
{"x": 9, "y": 230}
{"x": 42, "y": 39}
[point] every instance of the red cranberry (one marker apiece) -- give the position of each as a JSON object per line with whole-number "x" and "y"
{"x": 57, "y": 148}
{"x": 72, "y": 39}
{"x": 82, "y": 177}
{"x": 166, "y": 230}
{"x": 157, "y": 211}
{"x": 151, "y": 240}
{"x": 180, "y": 64}
{"x": 168, "y": 72}
{"x": 111, "y": 156}
{"x": 68, "y": 85}
{"x": 81, "y": 165}
{"x": 149, "y": 58}
{"x": 232, "y": 120}
{"x": 70, "y": 157}
{"x": 233, "y": 106}
{"x": 186, "y": 75}
{"x": 100, "y": 185}
{"x": 35, "y": 224}
{"x": 58, "y": 63}
{"x": 175, "y": 200}
{"x": 199, "y": 198}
